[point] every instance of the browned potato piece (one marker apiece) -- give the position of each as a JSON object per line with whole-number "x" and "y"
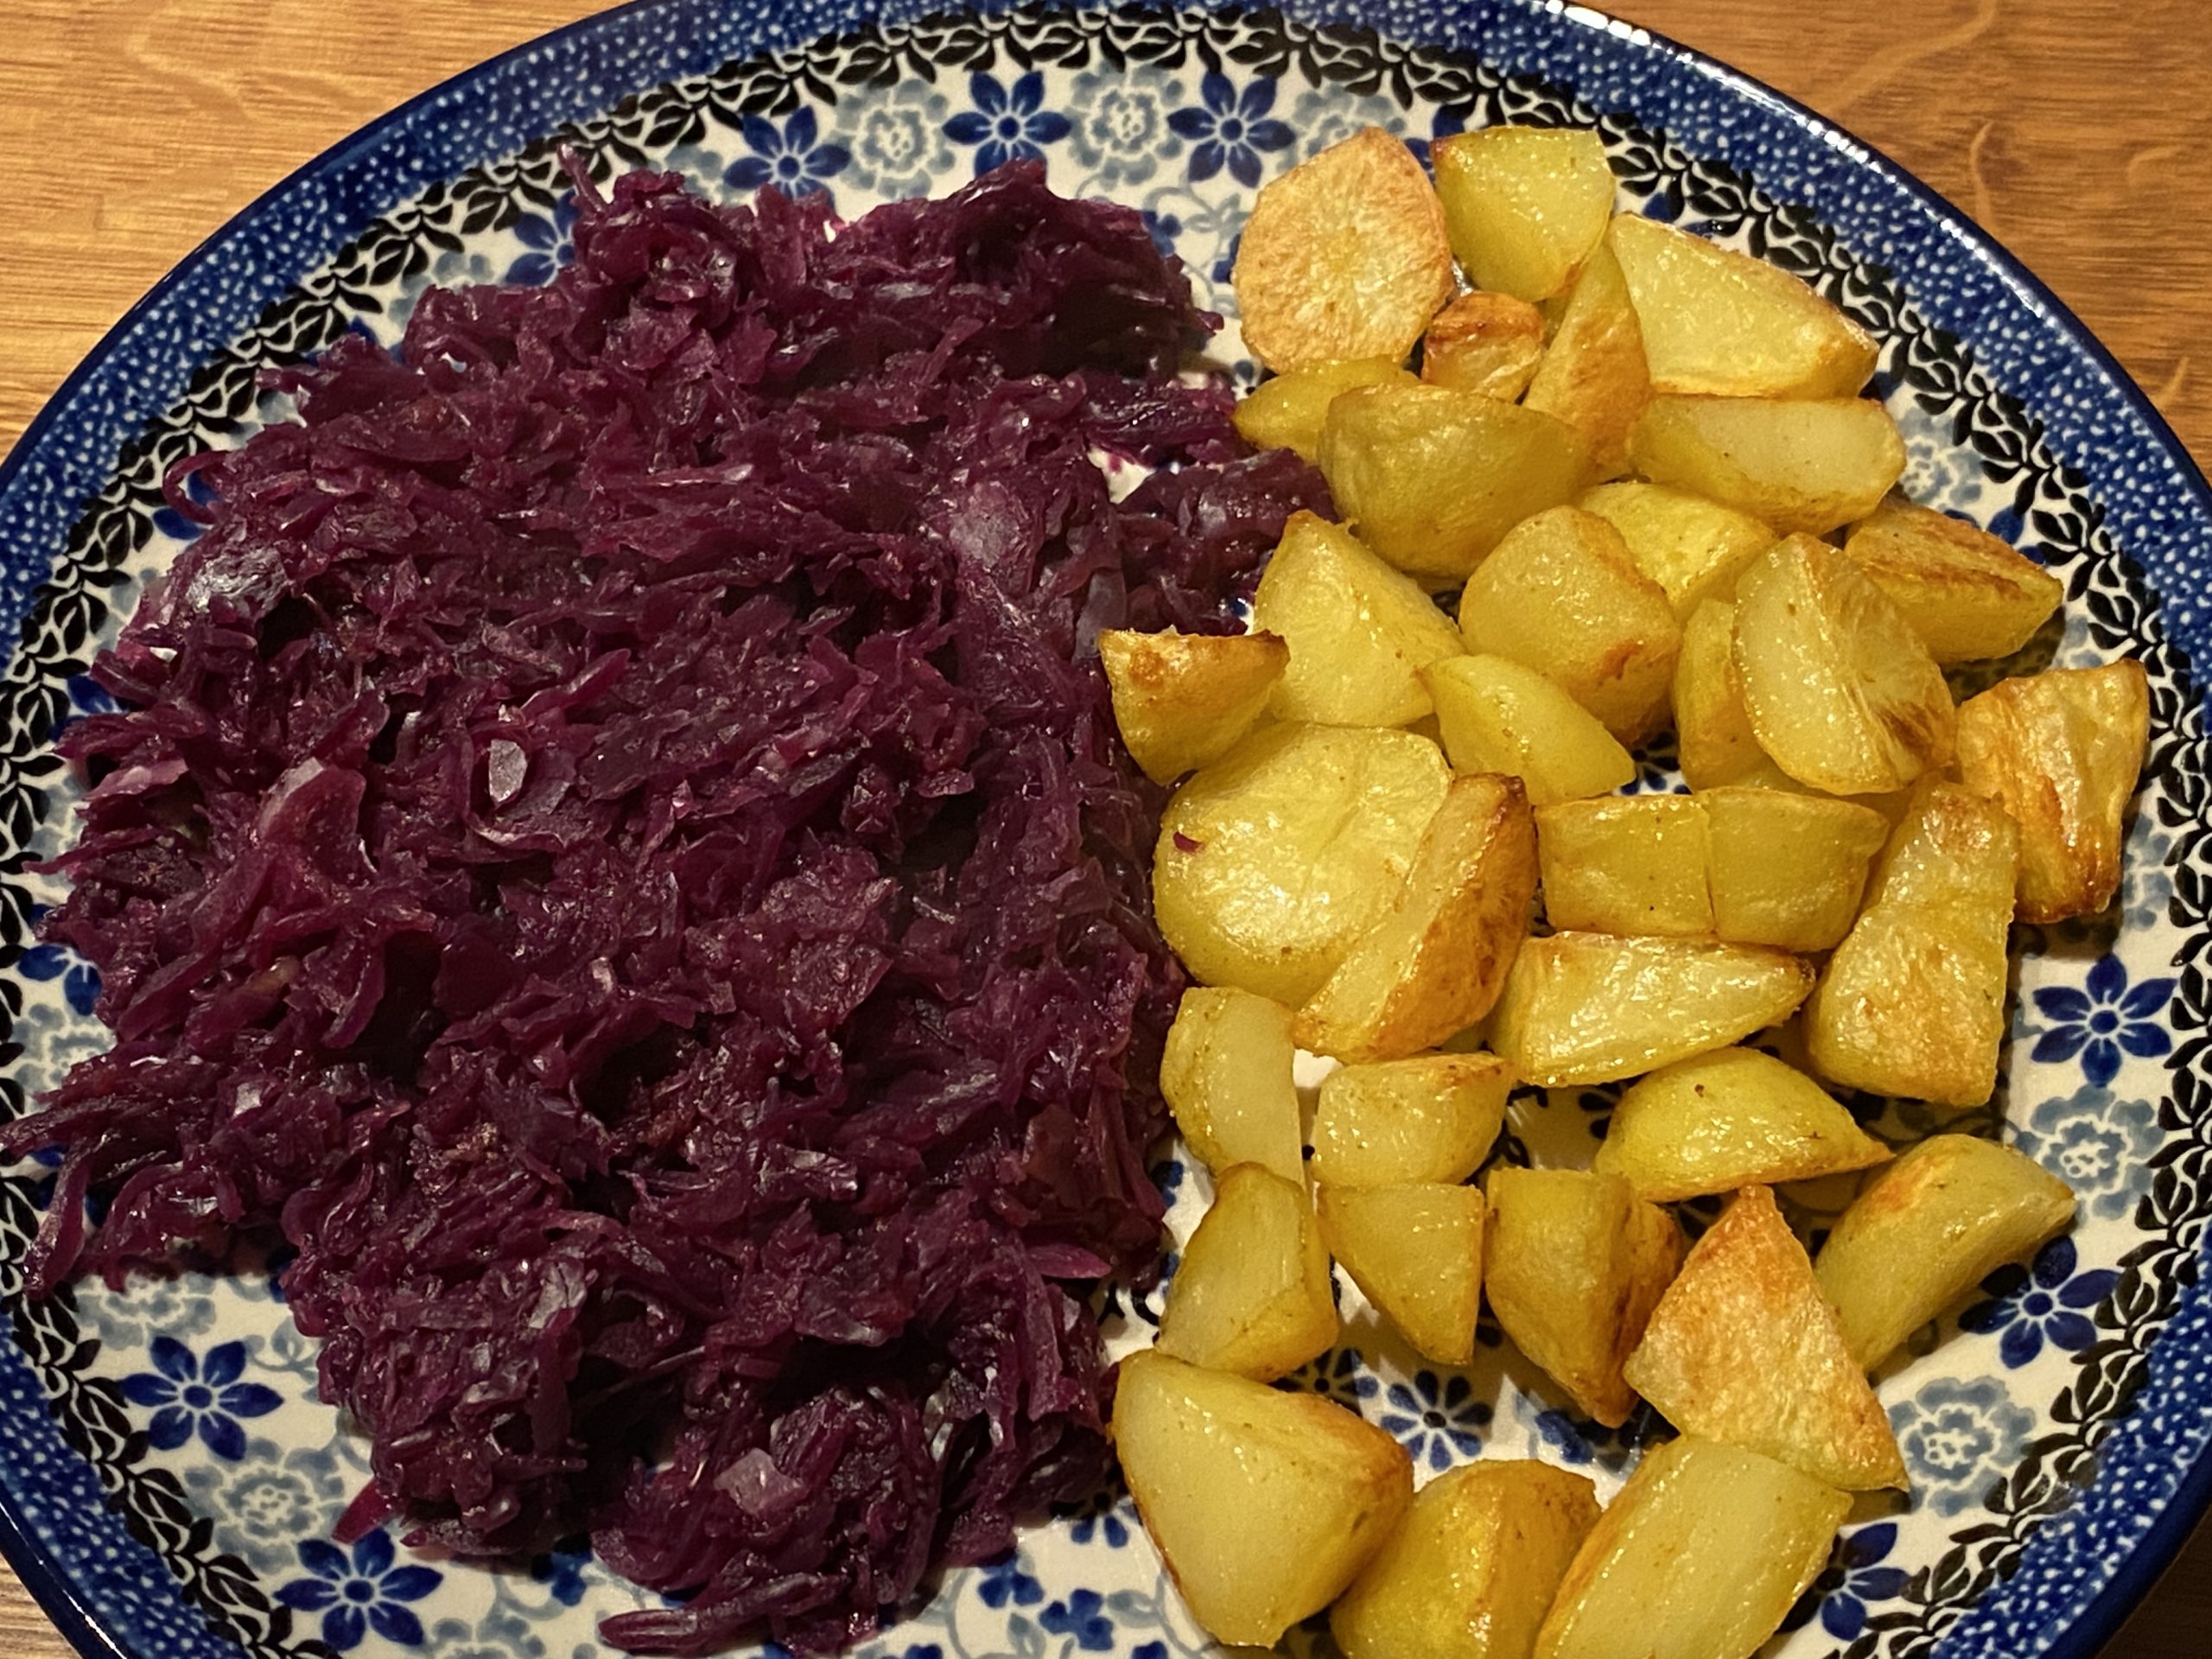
{"x": 1415, "y": 1251}
{"x": 1809, "y": 466}
{"x": 1428, "y": 1117}
{"x": 1557, "y": 1268}
{"x": 1692, "y": 548}
{"x": 1184, "y": 699}
{"x": 1721, "y": 322}
{"x": 1560, "y": 594}
{"x": 1286, "y": 411}
{"x": 1745, "y": 1348}
{"x": 1484, "y": 342}
{"x": 1712, "y": 729}
{"x": 1787, "y": 869}
{"x": 1497, "y": 715}
{"x": 1432, "y": 479}
{"x": 1840, "y": 691}
{"x": 1626, "y": 864}
{"x": 1931, "y": 1227}
{"x": 1967, "y": 593}
{"x": 1207, "y": 1454}
{"x": 1252, "y": 1294}
{"x": 2061, "y": 753}
{"x": 1434, "y": 962}
{"x": 1471, "y": 1574}
{"x": 1344, "y": 256}
{"x": 1526, "y": 205}
{"x": 1593, "y": 375}
{"x": 1225, "y": 1073}
{"x": 1652, "y": 1243}
{"x": 1586, "y": 1007}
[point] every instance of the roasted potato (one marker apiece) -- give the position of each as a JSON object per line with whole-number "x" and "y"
{"x": 1787, "y": 869}
{"x": 1626, "y": 864}
{"x": 1525, "y": 206}
{"x": 1225, "y": 1073}
{"x": 1344, "y": 256}
{"x": 1557, "y": 1267}
{"x": 1264, "y": 1504}
{"x": 2061, "y": 753}
{"x": 1701, "y": 1556}
{"x": 1723, "y": 322}
{"x": 1285, "y": 411}
{"x": 1433, "y": 961}
{"x": 1431, "y": 478}
{"x": 1839, "y": 691}
{"x": 1415, "y": 1252}
{"x": 1966, "y": 594}
{"x": 1184, "y": 699}
{"x": 1692, "y": 548}
{"x": 1729, "y": 1119}
{"x": 1797, "y": 466}
{"x": 1498, "y": 715}
{"x": 1712, "y": 730}
{"x": 1275, "y": 860}
{"x": 1484, "y": 342}
{"x": 1593, "y": 375}
{"x": 1927, "y": 1230}
{"x": 1430, "y": 1117}
{"x": 1560, "y": 594}
{"x": 1586, "y": 1007}
{"x": 1652, "y": 1243}
{"x": 1252, "y": 1294}
{"x": 1472, "y": 1571}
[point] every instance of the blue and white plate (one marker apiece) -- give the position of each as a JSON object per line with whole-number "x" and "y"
{"x": 169, "y": 1481}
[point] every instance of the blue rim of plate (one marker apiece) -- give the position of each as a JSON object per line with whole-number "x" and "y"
{"x": 2100, "y": 423}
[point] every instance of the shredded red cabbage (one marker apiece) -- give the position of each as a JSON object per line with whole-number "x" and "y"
{"x": 617, "y": 850}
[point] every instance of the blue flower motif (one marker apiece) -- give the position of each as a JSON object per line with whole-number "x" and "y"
{"x": 81, "y": 980}
{"x": 188, "y": 1395}
{"x": 1118, "y": 128}
{"x": 1436, "y": 1419}
{"x": 924, "y": 1650}
{"x": 1103, "y": 1517}
{"x": 548, "y": 242}
{"x": 1229, "y": 129}
{"x": 1007, "y": 124}
{"x": 1338, "y": 1374}
{"x": 1168, "y": 1178}
{"x": 1559, "y": 1431}
{"x": 1960, "y": 1437}
{"x": 2103, "y": 1019}
{"x": 561, "y": 1572}
{"x": 2031, "y": 1306}
{"x": 1004, "y": 1581}
{"x": 2097, "y": 1144}
{"x": 791, "y": 157}
{"x": 366, "y": 1593}
{"x": 1082, "y": 1616}
{"x": 1163, "y": 229}
{"x": 1149, "y": 1650}
{"x": 1852, "y": 1581}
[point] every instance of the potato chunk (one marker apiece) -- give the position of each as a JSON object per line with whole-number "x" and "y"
{"x": 1584, "y": 1008}
{"x": 1431, "y": 478}
{"x": 1744, "y": 1348}
{"x": 1729, "y": 1119}
{"x": 1692, "y": 548}
{"x": 1275, "y": 860}
{"x": 1286, "y": 411}
{"x": 1207, "y": 1455}
{"x": 1430, "y": 1117}
{"x": 1497, "y": 715}
{"x": 1526, "y": 206}
{"x": 1720, "y": 321}
{"x": 1252, "y": 1294}
{"x": 1967, "y": 593}
{"x": 1787, "y": 869}
{"x": 1184, "y": 699}
{"x": 1484, "y": 342}
{"x": 1807, "y": 466}
{"x": 1471, "y": 1574}
{"x": 1358, "y": 632}
{"x": 1344, "y": 256}
{"x": 2061, "y": 753}
{"x": 1927, "y": 1230}
{"x": 1593, "y": 375}
{"x": 1434, "y": 960}
{"x": 1626, "y": 864}
{"x": 1225, "y": 1073}
{"x": 1557, "y": 1269}
{"x": 1701, "y": 1556}
{"x": 1560, "y": 594}
{"x": 1415, "y": 1252}
{"x": 1712, "y": 729}
{"x": 1840, "y": 690}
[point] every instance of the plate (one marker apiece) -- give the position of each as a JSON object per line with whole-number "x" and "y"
{"x": 169, "y": 1484}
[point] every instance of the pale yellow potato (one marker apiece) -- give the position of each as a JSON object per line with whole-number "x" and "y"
{"x": 1928, "y": 1230}
{"x": 1729, "y": 1119}
{"x": 1701, "y": 1556}
{"x": 1560, "y": 594}
{"x": 1497, "y": 715}
{"x": 1719, "y": 322}
{"x": 1344, "y": 256}
{"x": 1286, "y": 410}
{"x": 1415, "y": 1252}
{"x": 1431, "y": 478}
{"x": 1472, "y": 1571}
{"x": 1433, "y": 962}
{"x": 1593, "y": 375}
{"x": 2060, "y": 752}
{"x": 1556, "y": 1266}
{"x": 1714, "y": 740}
{"x": 1787, "y": 869}
{"x": 1273, "y": 861}
{"x": 1587, "y": 1007}
{"x": 1264, "y": 1504}
{"x": 1525, "y": 206}
{"x": 1183, "y": 699}
{"x": 1252, "y": 1294}
{"x": 1652, "y": 1243}
{"x": 1626, "y": 864}
{"x": 1692, "y": 548}
{"x": 1840, "y": 692}
{"x": 1967, "y": 593}
{"x": 1744, "y": 1348}
{"x": 1484, "y": 342}
{"x": 1225, "y": 1074}
{"x": 1797, "y": 466}
{"x": 1429, "y": 1117}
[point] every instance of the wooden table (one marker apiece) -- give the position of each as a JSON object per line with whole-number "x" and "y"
{"x": 2075, "y": 129}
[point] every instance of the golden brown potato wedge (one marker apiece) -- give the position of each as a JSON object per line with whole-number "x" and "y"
{"x": 1415, "y": 1252}
{"x": 1184, "y": 699}
{"x": 1434, "y": 960}
{"x": 1225, "y": 1073}
{"x": 1205, "y": 1453}
{"x": 1652, "y": 1242}
{"x": 1252, "y": 1294}
{"x": 1344, "y": 256}
{"x": 1692, "y": 548}
{"x": 1927, "y": 1230}
{"x": 1526, "y": 206}
{"x": 1429, "y": 1117}
{"x": 1286, "y": 410}
{"x": 1593, "y": 375}
{"x": 1799, "y": 466}
{"x": 1556, "y": 1266}
{"x": 1498, "y": 715}
{"x": 2060, "y": 752}
{"x": 1626, "y": 864}
{"x": 1484, "y": 342}
{"x": 1787, "y": 869}
{"x": 1967, "y": 593}
{"x": 1712, "y": 729}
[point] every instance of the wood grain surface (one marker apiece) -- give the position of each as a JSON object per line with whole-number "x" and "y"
{"x": 2079, "y": 131}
